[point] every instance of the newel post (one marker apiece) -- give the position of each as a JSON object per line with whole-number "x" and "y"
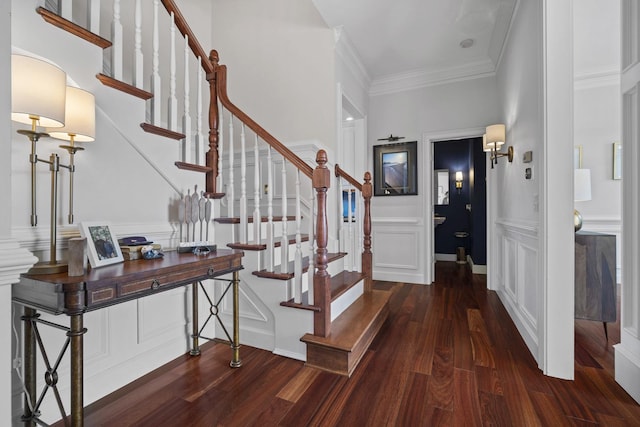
{"x": 321, "y": 289}
{"x": 212, "y": 154}
{"x": 367, "y": 256}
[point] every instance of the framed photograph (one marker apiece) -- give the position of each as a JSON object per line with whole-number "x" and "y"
{"x": 577, "y": 157}
{"x": 102, "y": 244}
{"x": 394, "y": 169}
{"x": 617, "y": 160}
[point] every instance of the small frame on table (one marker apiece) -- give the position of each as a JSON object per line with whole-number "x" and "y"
{"x": 394, "y": 169}
{"x": 102, "y": 244}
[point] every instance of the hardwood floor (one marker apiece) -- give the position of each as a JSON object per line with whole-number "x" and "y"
{"x": 448, "y": 355}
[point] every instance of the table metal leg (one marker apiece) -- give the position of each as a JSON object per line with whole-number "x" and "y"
{"x": 76, "y": 335}
{"x": 195, "y": 349}
{"x": 29, "y": 366}
{"x": 235, "y": 345}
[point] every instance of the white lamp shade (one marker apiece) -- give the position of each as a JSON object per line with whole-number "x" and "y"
{"x": 80, "y": 117}
{"x": 485, "y": 146}
{"x": 496, "y": 135}
{"x": 581, "y": 185}
{"x": 38, "y": 90}
{"x": 458, "y": 176}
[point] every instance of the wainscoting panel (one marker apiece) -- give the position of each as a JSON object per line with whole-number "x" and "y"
{"x": 517, "y": 278}
{"x": 397, "y": 253}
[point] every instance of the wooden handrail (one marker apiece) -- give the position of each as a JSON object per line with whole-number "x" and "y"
{"x": 221, "y": 83}
{"x": 185, "y": 30}
{"x": 351, "y": 180}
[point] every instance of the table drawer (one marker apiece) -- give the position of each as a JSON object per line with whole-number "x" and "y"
{"x": 156, "y": 283}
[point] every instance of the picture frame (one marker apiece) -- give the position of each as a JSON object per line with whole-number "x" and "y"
{"x": 617, "y": 160}
{"x": 577, "y": 157}
{"x": 102, "y": 244}
{"x": 394, "y": 169}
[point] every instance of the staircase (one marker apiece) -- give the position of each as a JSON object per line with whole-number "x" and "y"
{"x": 305, "y": 294}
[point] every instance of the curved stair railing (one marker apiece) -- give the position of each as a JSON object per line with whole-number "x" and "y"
{"x": 231, "y": 132}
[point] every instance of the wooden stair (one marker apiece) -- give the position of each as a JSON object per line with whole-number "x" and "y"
{"x": 351, "y": 334}
{"x": 305, "y": 266}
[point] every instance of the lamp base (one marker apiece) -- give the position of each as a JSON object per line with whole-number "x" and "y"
{"x": 577, "y": 220}
{"x": 47, "y": 268}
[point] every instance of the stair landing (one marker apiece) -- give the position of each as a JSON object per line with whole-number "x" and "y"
{"x": 351, "y": 334}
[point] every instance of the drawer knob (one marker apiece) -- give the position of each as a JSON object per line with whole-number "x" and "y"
{"x": 155, "y": 284}
{"x": 211, "y": 271}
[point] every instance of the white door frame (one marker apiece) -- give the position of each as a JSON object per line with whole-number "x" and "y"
{"x": 427, "y": 183}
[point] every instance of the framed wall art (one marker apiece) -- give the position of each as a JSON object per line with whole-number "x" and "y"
{"x": 394, "y": 169}
{"x": 102, "y": 244}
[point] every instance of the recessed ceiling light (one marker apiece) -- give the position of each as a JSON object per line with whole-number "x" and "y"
{"x": 349, "y": 118}
{"x": 466, "y": 43}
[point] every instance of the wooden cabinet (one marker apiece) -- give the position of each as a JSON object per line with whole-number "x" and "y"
{"x": 595, "y": 276}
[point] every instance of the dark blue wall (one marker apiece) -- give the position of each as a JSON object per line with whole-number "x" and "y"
{"x": 464, "y": 155}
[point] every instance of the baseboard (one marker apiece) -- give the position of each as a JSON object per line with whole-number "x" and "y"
{"x": 396, "y": 276}
{"x": 446, "y": 257}
{"x": 476, "y": 268}
{"x": 290, "y": 354}
{"x": 627, "y": 371}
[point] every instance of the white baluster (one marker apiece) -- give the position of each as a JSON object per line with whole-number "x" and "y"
{"x": 312, "y": 250}
{"x": 359, "y": 227}
{"x": 66, "y": 9}
{"x": 297, "y": 260}
{"x": 173, "y": 101}
{"x": 270, "y": 229}
{"x": 257, "y": 219}
{"x": 350, "y": 232}
{"x": 138, "y": 57}
{"x": 244, "y": 226}
{"x": 93, "y": 16}
{"x": 200, "y": 141}
{"x": 186, "y": 117}
{"x": 341, "y": 230}
{"x": 116, "y": 42}
{"x": 284, "y": 239}
{"x": 230, "y": 190}
{"x": 220, "y": 182}
{"x": 156, "y": 83}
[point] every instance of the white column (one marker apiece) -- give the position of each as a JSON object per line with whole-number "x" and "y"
{"x": 156, "y": 83}
{"x": 138, "y": 57}
{"x": 244, "y": 219}
{"x": 13, "y": 259}
{"x": 186, "y": 117}
{"x": 297, "y": 260}
{"x": 284, "y": 239}
{"x": 270, "y": 231}
{"x": 173, "y": 100}
{"x": 116, "y": 42}
{"x": 257, "y": 218}
{"x": 200, "y": 139}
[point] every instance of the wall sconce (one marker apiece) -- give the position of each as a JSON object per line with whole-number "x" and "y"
{"x": 581, "y": 193}
{"x": 493, "y": 141}
{"x": 459, "y": 181}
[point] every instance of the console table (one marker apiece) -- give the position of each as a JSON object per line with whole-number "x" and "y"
{"x": 103, "y": 287}
{"x": 595, "y": 277}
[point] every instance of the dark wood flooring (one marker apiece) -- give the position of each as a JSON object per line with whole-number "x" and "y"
{"x": 448, "y": 355}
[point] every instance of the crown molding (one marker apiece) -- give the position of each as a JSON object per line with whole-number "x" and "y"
{"x": 418, "y": 79}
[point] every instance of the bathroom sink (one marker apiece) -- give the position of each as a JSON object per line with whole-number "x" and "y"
{"x": 437, "y": 220}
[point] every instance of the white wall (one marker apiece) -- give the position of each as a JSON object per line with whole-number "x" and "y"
{"x": 279, "y": 53}
{"x": 431, "y": 110}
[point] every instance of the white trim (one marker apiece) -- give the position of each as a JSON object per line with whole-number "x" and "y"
{"x": 395, "y": 276}
{"x": 290, "y": 354}
{"x": 349, "y": 55}
{"x": 595, "y": 79}
{"x": 14, "y": 260}
{"x": 446, "y": 257}
{"x": 392, "y": 220}
{"x": 476, "y": 268}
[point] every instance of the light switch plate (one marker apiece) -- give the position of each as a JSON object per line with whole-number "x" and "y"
{"x": 527, "y": 157}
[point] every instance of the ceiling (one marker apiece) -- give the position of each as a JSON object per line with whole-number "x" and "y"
{"x": 421, "y": 39}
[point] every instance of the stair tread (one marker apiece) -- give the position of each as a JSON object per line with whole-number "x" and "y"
{"x": 305, "y": 266}
{"x": 193, "y": 167}
{"x": 157, "y": 130}
{"x": 124, "y": 87}
{"x": 348, "y": 329}
{"x": 73, "y": 28}
{"x": 303, "y": 304}
{"x": 236, "y": 220}
{"x": 263, "y": 246}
